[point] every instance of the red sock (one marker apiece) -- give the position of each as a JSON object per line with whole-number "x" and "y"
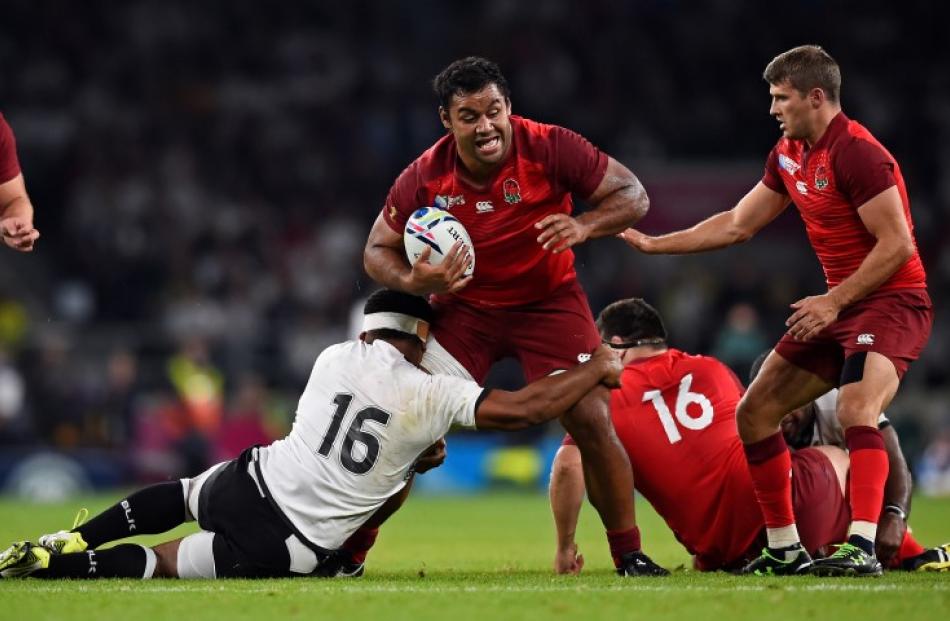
{"x": 623, "y": 541}
{"x": 909, "y": 549}
{"x": 360, "y": 542}
{"x": 868, "y": 472}
{"x": 770, "y": 465}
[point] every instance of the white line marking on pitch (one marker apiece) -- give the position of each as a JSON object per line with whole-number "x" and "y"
{"x": 193, "y": 587}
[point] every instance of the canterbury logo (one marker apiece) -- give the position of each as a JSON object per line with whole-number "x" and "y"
{"x": 92, "y": 561}
{"x": 865, "y": 339}
{"x": 484, "y": 206}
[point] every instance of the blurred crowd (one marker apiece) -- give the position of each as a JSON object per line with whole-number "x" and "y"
{"x": 205, "y": 174}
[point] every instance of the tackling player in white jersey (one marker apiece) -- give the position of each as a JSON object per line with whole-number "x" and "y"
{"x": 310, "y": 504}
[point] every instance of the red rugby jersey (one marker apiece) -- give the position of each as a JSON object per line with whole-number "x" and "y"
{"x": 828, "y": 182}
{"x": 9, "y": 165}
{"x": 545, "y": 165}
{"x": 675, "y": 414}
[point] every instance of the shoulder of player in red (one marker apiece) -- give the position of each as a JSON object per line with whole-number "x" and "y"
{"x": 667, "y": 370}
{"x": 9, "y": 164}
{"x": 433, "y": 169}
{"x": 571, "y": 161}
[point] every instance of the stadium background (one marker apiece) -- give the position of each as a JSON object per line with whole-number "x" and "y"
{"x": 205, "y": 174}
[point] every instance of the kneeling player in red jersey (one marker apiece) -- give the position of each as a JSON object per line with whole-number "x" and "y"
{"x": 675, "y": 415}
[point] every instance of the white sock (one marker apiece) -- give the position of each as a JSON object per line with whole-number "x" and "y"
{"x": 783, "y": 537}
{"x": 868, "y": 530}
{"x": 150, "y": 561}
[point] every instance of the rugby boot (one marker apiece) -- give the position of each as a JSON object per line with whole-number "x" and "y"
{"x": 66, "y": 541}
{"x": 339, "y": 564}
{"x": 22, "y": 559}
{"x": 639, "y": 564}
{"x": 848, "y": 560}
{"x": 933, "y": 559}
{"x": 789, "y": 561}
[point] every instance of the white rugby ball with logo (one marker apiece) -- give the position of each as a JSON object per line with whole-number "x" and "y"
{"x": 430, "y": 227}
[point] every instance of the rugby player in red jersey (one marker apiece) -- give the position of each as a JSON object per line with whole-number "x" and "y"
{"x": 16, "y": 211}
{"x": 861, "y": 335}
{"x": 509, "y": 181}
{"x": 675, "y": 415}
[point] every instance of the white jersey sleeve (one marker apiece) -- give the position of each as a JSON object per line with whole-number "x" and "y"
{"x": 827, "y": 429}
{"x": 449, "y": 399}
{"x": 363, "y": 420}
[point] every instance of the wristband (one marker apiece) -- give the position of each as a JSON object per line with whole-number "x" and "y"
{"x": 896, "y": 510}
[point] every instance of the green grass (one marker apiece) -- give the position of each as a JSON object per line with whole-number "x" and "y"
{"x": 483, "y": 557}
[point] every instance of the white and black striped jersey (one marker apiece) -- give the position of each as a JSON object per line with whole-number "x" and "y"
{"x": 362, "y": 421}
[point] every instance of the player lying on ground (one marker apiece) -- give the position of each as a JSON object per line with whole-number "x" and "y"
{"x": 311, "y": 503}
{"x": 675, "y": 416}
{"x": 509, "y": 180}
{"x": 815, "y": 424}
{"x": 860, "y": 335}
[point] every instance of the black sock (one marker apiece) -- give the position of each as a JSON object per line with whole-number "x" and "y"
{"x": 155, "y": 509}
{"x": 126, "y": 560}
{"x": 863, "y": 543}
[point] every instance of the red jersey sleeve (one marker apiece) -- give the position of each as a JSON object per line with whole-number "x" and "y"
{"x": 406, "y": 195}
{"x": 9, "y": 165}
{"x": 579, "y": 166}
{"x": 862, "y": 171}
{"x": 772, "y": 179}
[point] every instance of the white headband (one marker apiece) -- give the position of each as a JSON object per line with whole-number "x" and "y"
{"x": 397, "y": 321}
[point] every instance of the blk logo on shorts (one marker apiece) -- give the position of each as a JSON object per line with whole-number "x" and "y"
{"x": 865, "y": 339}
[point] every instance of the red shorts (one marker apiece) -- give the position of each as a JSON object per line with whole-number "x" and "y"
{"x": 895, "y": 324}
{"x": 545, "y": 336}
{"x": 822, "y": 514}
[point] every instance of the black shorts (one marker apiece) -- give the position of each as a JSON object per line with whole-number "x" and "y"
{"x": 252, "y": 538}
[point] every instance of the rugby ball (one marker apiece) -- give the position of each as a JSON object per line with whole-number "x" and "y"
{"x": 437, "y": 229}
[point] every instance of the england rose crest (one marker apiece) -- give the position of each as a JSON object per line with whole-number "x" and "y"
{"x": 512, "y": 191}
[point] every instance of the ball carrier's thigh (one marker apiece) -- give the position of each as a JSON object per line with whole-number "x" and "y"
{"x": 779, "y": 388}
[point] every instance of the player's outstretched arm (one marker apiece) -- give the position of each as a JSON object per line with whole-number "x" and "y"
{"x": 897, "y": 494}
{"x": 620, "y": 201}
{"x": 756, "y": 209}
{"x": 548, "y": 398}
{"x": 384, "y": 259}
{"x": 567, "y": 495}
{"x": 16, "y": 215}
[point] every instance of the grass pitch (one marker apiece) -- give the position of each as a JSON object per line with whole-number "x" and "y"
{"x": 482, "y": 557}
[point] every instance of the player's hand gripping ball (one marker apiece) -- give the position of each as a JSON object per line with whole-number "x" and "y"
{"x": 439, "y": 230}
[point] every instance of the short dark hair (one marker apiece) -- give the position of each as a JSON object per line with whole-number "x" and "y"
{"x": 468, "y": 75}
{"x": 392, "y": 301}
{"x": 806, "y": 67}
{"x": 631, "y": 319}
